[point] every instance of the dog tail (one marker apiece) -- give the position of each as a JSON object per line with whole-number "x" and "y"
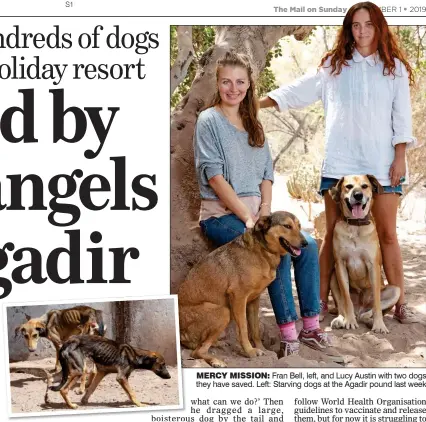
{"x": 63, "y": 354}
{"x": 100, "y": 321}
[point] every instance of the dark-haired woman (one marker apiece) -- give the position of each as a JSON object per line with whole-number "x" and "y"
{"x": 363, "y": 83}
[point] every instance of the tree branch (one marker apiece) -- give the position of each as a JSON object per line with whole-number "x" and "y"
{"x": 289, "y": 143}
{"x": 324, "y": 37}
{"x": 281, "y": 119}
{"x": 296, "y": 61}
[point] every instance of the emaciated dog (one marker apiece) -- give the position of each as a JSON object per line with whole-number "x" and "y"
{"x": 109, "y": 357}
{"x": 357, "y": 285}
{"x": 59, "y": 325}
{"x": 228, "y": 282}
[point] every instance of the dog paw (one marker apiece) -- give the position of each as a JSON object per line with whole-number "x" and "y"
{"x": 259, "y": 351}
{"x": 342, "y": 322}
{"x": 337, "y": 322}
{"x": 261, "y": 347}
{"x": 80, "y": 392}
{"x": 253, "y": 352}
{"x": 217, "y": 363}
{"x": 73, "y": 406}
{"x": 350, "y": 323}
{"x": 380, "y": 327}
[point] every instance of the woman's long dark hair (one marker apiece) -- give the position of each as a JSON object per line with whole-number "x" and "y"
{"x": 385, "y": 40}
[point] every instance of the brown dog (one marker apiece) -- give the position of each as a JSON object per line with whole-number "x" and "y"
{"x": 228, "y": 282}
{"x": 357, "y": 284}
{"x": 59, "y": 325}
{"x": 109, "y": 357}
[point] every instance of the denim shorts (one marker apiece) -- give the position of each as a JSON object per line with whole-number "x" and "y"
{"x": 328, "y": 182}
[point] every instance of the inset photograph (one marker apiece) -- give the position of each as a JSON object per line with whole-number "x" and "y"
{"x": 91, "y": 357}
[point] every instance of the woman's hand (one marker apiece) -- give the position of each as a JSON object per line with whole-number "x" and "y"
{"x": 227, "y": 195}
{"x": 250, "y": 222}
{"x": 398, "y": 168}
{"x": 264, "y": 211}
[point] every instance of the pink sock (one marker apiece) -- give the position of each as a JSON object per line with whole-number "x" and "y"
{"x": 288, "y": 331}
{"x": 311, "y": 323}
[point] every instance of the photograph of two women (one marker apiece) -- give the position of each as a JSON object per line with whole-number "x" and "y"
{"x": 298, "y": 199}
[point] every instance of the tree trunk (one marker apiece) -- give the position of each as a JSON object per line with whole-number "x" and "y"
{"x": 187, "y": 245}
{"x": 184, "y": 57}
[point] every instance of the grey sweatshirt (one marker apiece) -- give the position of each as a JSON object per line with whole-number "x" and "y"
{"x": 221, "y": 148}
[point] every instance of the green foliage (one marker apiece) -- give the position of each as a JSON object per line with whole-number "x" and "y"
{"x": 406, "y": 38}
{"x": 203, "y": 38}
{"x": 173, "y": 43}
{"x": 266, "y": 82}
{"x": 412, "y": 41}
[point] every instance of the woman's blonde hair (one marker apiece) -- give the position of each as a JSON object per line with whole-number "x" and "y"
{"x": 249, "y": 106}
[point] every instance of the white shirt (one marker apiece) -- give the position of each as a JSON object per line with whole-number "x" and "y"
{"x": 366, "y": 114}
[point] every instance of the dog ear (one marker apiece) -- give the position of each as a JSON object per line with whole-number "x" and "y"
{"x": 263, "y": 224}
{"x": 336, "y": 191}
{"x": 84, "y": 319}
{"x": 41, "y": 329}
{"x": 147, "y": 361}
{"x": 19, "y": 330}
{"x": 377, "y": 187}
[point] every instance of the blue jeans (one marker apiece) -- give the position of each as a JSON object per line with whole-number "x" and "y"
{"x": 306, "y": 270}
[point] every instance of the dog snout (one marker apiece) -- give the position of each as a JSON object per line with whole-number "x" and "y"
{"x": 164, "y": 373}
{"x": 358, "y": 195}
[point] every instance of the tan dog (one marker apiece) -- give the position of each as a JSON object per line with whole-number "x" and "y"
{"x": 357, "y": 284}
{"x": 228, "y": 282}
{"x": 59, "y": 325}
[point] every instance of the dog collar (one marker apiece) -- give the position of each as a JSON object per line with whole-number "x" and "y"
{"x": 358, "y": 221}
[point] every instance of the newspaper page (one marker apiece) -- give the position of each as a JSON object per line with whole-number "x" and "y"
{"x": 213, "y": 212}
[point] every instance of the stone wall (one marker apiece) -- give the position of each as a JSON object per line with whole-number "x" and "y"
{"x": 153, "y": 327}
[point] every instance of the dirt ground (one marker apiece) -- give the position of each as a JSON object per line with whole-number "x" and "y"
{"x": 404, "y": 346}
{"x": 27, "y": 391}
